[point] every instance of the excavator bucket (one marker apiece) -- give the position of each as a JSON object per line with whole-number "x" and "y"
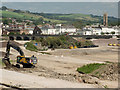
{"x": 6, "y": 62}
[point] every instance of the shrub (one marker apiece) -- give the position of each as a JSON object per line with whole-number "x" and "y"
{"x": 107, "y": 33}
{"x": 11, "y": 33}
{"x": 17, "y": 33}
{"x": 23, "y": 33}
{"x": 31, "y": 47}
{"x": 102, "y": 33}
{"x": 112, "y": 32}
{"x": 62, "y": 41}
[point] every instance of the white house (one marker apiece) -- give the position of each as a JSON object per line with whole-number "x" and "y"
{"x": 30, "y": 31}
{"x": 57, "y": 29}
{"x": 96, "y": 31}
{"x": 68, "y": 29}
{"x": 48, "y": 29}
{"x": 52, "y": 31}
{"x": 110, "y": 30}
{"x": 87, "y": 31}
{"x": 99, "y": 30}
{"x": 44, "y": 31}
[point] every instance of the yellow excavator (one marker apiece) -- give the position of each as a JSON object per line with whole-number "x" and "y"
{"x": 27, "y": 62}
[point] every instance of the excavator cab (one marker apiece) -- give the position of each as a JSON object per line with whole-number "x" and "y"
{"x": 26, "y": 60}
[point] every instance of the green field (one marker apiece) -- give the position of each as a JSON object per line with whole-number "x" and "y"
{"x": 22, "y": 16}
{"x": 80, "y": 16}
{"x": 27, "y": 16}
{"x": 18, "y": 15}
{"x": 57, "y": 18}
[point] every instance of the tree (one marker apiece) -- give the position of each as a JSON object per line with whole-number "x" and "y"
{"x": 28, "y": 23}
{"x": 27, "y": 11}
{"x": 4, "y": 8}
{"x": 102, "y": 33}
{"x": 19, "y": 20}
{"x": 112, "y": 32}
{"x": 79, "y": 24}
{"x": 32, "y": 18}
{"x": 11, "y": 33}
{"x": 17, "y": 33}
{"x": 38, "y": 21}
{"x": 6, "y": 21}
{"x": 23, "y": 33}
{"x": 107, "y": 33}
{"x": 18, "y": 11}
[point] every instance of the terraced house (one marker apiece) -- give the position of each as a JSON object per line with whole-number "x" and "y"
{"x": 58, "y": 29}
{"x": 101, "y": 30}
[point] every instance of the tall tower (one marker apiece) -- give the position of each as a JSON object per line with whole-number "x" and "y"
{"x": 105, "y": 19}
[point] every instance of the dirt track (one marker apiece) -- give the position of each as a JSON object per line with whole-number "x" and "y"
{"x": 26, "y": 81}
{"x": 62, "y": 64}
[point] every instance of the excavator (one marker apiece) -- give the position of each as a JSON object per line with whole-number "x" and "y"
{"x": 27, "y": 62}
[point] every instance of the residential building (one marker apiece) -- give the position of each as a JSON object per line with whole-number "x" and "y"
{"x": 58, "y": 29}
{"x": 101, "y": 30}
{"x": 37, "y": 31}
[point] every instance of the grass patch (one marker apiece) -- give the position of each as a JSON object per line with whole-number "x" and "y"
{"x": 105, "y": 86}
{"x": 31, "y": 47}
{"x": 89, "y": 68}
{"x": 97, "y": 73}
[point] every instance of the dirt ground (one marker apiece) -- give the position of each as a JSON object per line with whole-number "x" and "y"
{"x": 63, "y": 63}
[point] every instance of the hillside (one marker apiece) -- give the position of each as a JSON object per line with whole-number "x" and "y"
{"x": 26, "y": 16}
{"x": 72, "y": 16}
{"x": 56, "y": 18}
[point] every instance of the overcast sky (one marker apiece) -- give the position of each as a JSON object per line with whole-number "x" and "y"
{"x": 88, "y": 8}
{"x": 60, "y": 0}
{"x": 96, "y": 8}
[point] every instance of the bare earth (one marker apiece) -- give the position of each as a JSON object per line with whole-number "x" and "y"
{"x": 58, "y": 70}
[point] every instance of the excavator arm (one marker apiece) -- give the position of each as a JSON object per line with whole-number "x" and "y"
{"x": 10, "y": 44}
{"x": 14, "y": 46}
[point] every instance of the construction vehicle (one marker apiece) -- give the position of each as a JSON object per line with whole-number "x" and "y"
{"x": 27, "y": 62}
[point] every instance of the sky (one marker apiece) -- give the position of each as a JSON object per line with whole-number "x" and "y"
{"x": 77, "y": 6}
{"x": 59, "y": 0}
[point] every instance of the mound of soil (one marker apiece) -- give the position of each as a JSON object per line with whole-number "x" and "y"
{"x": 108, "y": 72}
{"x": 45, "y": 72}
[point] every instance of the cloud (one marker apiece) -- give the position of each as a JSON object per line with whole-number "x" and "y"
{"x": 60, "y": 0}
